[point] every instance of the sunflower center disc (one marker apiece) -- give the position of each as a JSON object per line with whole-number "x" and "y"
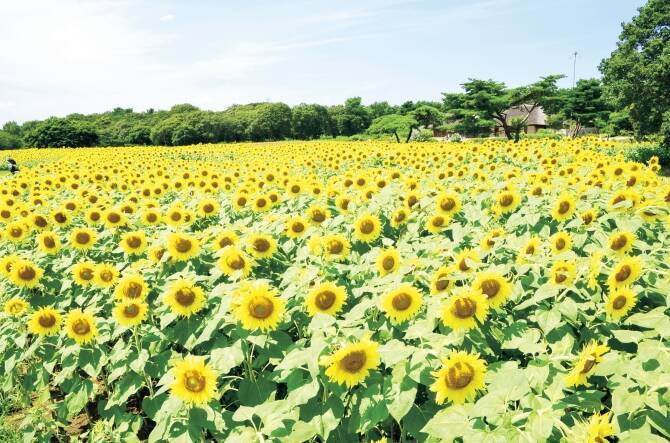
{"x": 261, "y": 308}
{"x": 194, "y": 381}
{"x": 131, "y": 311}
{"x": 81, "y": 327}
{"x": 448, "y": 204}
{"x": 134, "y": 290}
{"x": 560, "y": 244}
{"x": 459, "y": 376}
{"x": 49, "y": 242}
{"x": 464, "y": 308}
{"x": 619, "y": 302}
{"x": 335, "y": 247}
{"x": 46, "y": 320}
{"x": 261, "y": 245}
{"x": 318, "y": 216}
{"x": 27, "y": 273}
{"x": 325, "y": 299}
{"x": 183, "y": 245}
{"x": 438, "y": 221}
{"x": 563, "y": 207}
{"x": 353, "y": 361}
{"x": 114, "y": 217}
{"x": 236, "y": 262}
{"x": 506, "y": 200}
{"x": 86, "y": 274}
{"x": 401, "y": 301}
{"x": 185, "y": 297}
{"x": 82, "y": 238}
{"x": 619, "y": 242}
{"x": 297, "y": 227}
{"x": 134, "y": 242}
{"x": 388, "y": 263}
{"x": 367, "y": 227}
{"x": 588, "y": 364}
{"x": 490, "y": 288}
{"x": 441, "y": 283}
{"x": 623, "y": 273}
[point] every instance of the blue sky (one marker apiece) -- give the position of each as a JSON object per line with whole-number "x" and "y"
{"x": 59, "y": 57}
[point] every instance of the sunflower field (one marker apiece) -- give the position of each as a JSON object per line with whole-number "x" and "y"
{"x": 335, "y": 291}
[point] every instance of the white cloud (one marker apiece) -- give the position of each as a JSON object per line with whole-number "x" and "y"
{"x": 168, "y": 18}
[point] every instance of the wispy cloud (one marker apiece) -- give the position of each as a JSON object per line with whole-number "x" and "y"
{"x": 168, "y": 18}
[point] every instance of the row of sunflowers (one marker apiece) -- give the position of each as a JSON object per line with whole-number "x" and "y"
{"x": 336, "y": 291}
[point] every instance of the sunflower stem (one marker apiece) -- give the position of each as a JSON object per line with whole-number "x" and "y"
{"x": 138, "y": 346}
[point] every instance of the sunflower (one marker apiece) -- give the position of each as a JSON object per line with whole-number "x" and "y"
{"x": 342, "y": 203}
{"x": 563, "y": 273}
{"x": 564, "y": 208}
{"x": 530, "y": 249}
{"x": 16, "y": 231}
{"x": 317, "y": 214}
{"x": 599, "y": 428}
{"x": 80, "y": 326}
{"x": 506, "y": 202}
{"x": 223, "y": 239}
{"x": 441, "y": 281}
{"x": 15, "y": 306}
{"x": 240, "y": 201}
{"x": 83, "y": 273}
{"x": 448, "y": 203}
{"x": 261, "y": 246}
{"x": 402, "y": 303}
{"x": 437, "y": 223}
{"x": 48, "y": 242}
{"x": 492, "y": 238}
{"x": 93, "y": 216}
{"x": 6, "y": 264}
{"x": 105, "y": 275}
{"x": 208, "y": 207}
{"x": 175, "y": 215}
{"x": 367, "y": 228}
{"x": 619, "y": 302}
{"x": 459, "y": 379}
{"x": 589, "y": 216}
{"x": 45, "y": 321}
{"x": 60, "y": 217}
{"x": 399, "y": 217}
{"x": 625, "y": 273}
{"x": 184, "y": 297}
{"x": 296, "y": 227}
{"x": 260, "y": 308}
{"x": 494, "y": 286}
{"x": 129, "y": 313}
{"x": 388, "y": 261}
{"x": 194, "y": 381}
{"x": 467, "y": 260}
{"x": 234, "y": 263}
{"x": 351, "y": 363}
{"x": 336, "y": 247}
{"x": 150, "y": 217}
{"x": 621, "y": 242}
{"x": 113, "y": 218}
{"x": 156, "y": 253}
{"x": 25, "y": 274}
{"x": 590, "y": 356}
{"x": 131, "y": 287}
{"x": 561, "y": 242}
{"x": 182, "y": 246}
{"x": 462, "y": 312}
{"x": 325, "y": 298}
{"x": 133, "y": 243}
{"x": 82, "y": 238}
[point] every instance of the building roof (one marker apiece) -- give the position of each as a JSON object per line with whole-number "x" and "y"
{"x": 537, "y": 116}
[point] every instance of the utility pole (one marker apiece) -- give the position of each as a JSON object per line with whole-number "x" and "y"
{"x": 574, "y": 69}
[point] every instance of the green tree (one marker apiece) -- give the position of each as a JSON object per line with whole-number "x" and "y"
{"x": 492, "y": 100}
{"x": 9, "y": 140}
{"x": 584, "y": 106}
{"x": 637, "y": 74}
{"x": 352, "y": 118}
{"x": 395, "y": 124}
{"x": 272, "y": 122}
{"x": 62, "y": 132}
{"x": 428, "y": 116}
{"x": 310, "y": 121}
{"x": 377, "y": 109}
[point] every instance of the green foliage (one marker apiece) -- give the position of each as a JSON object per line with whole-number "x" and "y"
{"x": 310, "y": 121}
{"x": 636, "y": 75}
{"x": 9, "y": 140}
{"x": 397, "y": 125}
{"x": 352, "y": 118}
{"x": 643, "y": 152}
{"x": 424, "y": 135}
{"x": 58, "y": 133}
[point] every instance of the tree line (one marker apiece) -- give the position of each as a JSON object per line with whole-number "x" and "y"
{"x": 632, "y": 98}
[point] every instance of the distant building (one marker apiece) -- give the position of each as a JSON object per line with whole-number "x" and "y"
{"x": 537, "y": 119}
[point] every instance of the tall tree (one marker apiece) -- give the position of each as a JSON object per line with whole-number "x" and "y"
{"x": 396, "y": 124}
{"x": 492, "y": 101}
{"x": 637, "y": 74}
